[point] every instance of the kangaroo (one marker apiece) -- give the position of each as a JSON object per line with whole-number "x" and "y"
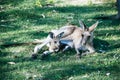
{"x": 53, "y": 40}
{"x": 80, "y": 38}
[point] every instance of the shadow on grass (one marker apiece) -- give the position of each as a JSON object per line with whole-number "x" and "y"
{"x": 13, "y": 2}
{"x": 4, "y": 69}
{"x": 114, "y": 23}
{"x": 108, "y": 32}
{"x": 7, "y": 24}
{"x": 100, "y": 44}
{"x": 109, "y": 23}
{"x": 63, "y": 73}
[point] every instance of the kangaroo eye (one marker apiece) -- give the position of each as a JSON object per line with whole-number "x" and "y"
{"x": 55, "y": 41}
{"x": 89, "y": 36}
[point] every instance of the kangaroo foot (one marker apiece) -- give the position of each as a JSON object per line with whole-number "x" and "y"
{"x": 45, "y": 54}
{"x": 34, "y": 56}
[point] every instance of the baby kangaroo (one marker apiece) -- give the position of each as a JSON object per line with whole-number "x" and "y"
{"x": 80, "y": 38}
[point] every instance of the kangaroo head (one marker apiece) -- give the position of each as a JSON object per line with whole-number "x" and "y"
{"x": 87, "y": 34}
{"x": 54, "y": 44}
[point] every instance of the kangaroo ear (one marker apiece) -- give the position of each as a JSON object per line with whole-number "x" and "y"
{"x": 91, "y": 28}
{"x": 51, "y": 35}
{"x": 82, "y": 25}
{"x": 60, "y": 35}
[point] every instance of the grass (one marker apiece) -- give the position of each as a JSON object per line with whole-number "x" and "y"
{"x": 22, "y": 21}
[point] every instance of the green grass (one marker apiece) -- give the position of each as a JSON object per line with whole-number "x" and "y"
{"x": 22, "y": 21}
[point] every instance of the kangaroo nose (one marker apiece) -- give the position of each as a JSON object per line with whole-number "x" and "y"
{"x": 83, "y": 43}
{"x": 56, "y": 49}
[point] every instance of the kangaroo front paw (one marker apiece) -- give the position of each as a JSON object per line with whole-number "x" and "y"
{"x": 34, "y": 56}
{"x": 45, "y": 54}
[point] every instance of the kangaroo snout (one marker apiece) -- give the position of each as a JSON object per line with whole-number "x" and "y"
{"x": 55, "y": 49}
{"x": 83, "y": 43}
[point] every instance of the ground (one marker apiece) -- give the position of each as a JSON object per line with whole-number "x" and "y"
{"x": 23, "y": 21}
